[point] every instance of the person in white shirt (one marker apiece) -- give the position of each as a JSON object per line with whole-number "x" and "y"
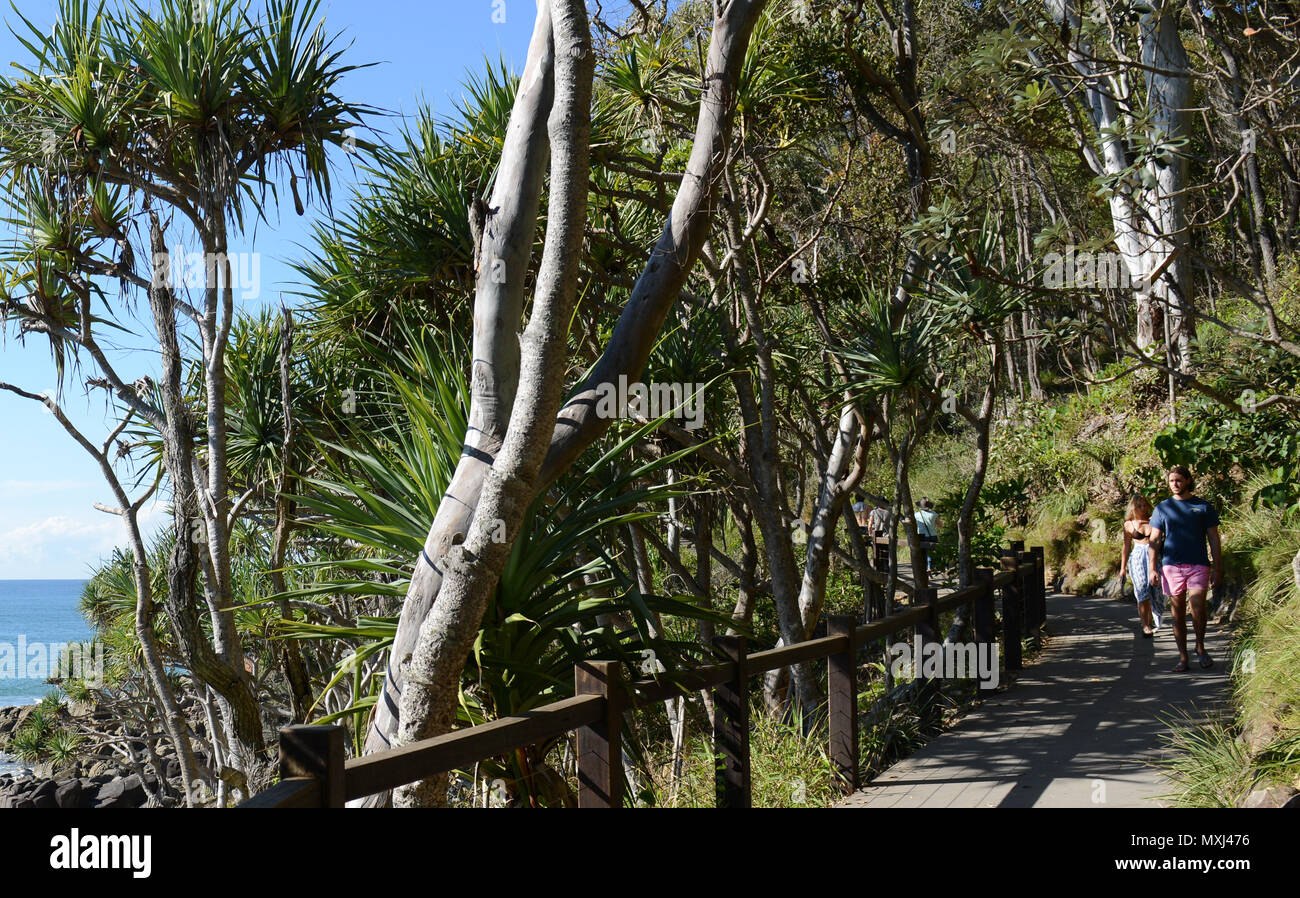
{"x": 927, "y": 527}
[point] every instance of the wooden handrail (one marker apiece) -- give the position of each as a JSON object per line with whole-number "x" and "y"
{"x": 406, "y": 764}
{"x": 313, "y": 773}
{"x": 298, "y": 792}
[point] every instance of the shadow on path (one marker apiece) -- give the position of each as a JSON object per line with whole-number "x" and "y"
{"x": 1078, "y": 728}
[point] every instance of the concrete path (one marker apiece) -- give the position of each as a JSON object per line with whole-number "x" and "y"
{"x": 1076, "y": 728}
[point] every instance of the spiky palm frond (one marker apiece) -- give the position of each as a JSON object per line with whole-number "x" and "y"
{"x": 884, "y": 357}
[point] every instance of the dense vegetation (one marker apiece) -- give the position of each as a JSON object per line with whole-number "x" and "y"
{"x": 980, "y": 253}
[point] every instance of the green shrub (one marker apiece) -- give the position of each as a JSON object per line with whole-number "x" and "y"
{"x": 27, "y": 745}
{"x": 62, "y": 745}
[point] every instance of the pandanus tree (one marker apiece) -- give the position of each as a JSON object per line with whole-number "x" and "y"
{"x": 522, "y": 432}
{"x": 127, "y": 132}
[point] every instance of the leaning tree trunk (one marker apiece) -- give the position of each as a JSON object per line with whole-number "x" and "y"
{"x": 473, "y": 568}
{"x": 674, "y": 254}
{"x": 837, "y": 482}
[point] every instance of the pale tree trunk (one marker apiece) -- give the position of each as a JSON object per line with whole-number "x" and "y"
{"x": 837, "y": 483}
{"x": 577, "y": 424}
{"x": 473, "y": 568}
{"x": 1168, "y": 95}
{"x": 1149, "y": 226}
{"x": 1295, "y": 570}
{"x": 504, "y": 253}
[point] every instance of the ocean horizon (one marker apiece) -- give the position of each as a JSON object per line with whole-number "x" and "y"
{"x": 34, "y": 614}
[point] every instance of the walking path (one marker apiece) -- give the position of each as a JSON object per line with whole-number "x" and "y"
{"x": 1076, "y": 728}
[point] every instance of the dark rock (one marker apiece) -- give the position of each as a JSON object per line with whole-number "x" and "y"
{"x": 121, "y": 793}
{"x": 71, "y": 795}
{"x": 43, "y": 796}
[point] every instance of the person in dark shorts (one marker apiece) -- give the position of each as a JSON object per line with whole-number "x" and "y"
{"x": 1180, "y": 528}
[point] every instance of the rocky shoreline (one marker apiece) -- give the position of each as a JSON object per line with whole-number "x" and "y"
{"x": 95, "y": 778}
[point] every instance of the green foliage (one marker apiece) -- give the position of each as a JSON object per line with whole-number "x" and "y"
{"x": 562, "y": 583}
{"x": 27, "y": 744}
{"x": 1207, "y": 765}
{"x": 62, "y": 746}
{"x": 788, "y": 769}
{"x": 884, "y": 357}
{"x": 1214, "y": 442}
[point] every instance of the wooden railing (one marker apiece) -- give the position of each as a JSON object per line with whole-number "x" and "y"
{"x": 314, "y": 772}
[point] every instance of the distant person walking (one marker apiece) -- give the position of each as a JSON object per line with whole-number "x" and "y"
{"x": 927, "y": 529}
{"x": 862, "y": 516}
{"x": 1181, "y": 526}
{"x": 880, "y": 520}
{"x": 1135, "y": 561}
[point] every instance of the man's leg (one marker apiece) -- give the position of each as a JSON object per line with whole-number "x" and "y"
{"x": 1199, "y": 617}
{"x": 1178, "y": 609}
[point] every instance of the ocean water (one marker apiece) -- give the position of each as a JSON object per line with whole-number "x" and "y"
{"x": 34, "y": 613}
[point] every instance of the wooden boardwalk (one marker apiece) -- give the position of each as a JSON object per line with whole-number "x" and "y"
{"x": 1078, "y": 728}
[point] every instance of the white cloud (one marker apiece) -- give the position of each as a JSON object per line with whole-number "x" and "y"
{"x": 67, "y": 545}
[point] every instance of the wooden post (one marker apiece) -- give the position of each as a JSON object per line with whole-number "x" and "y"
{"x": 842, "y": 695}
{"x": 921, "y": 566}
{"x": 929, "y": 632}
{"x": 929, "y": 596}
{"x": 880, "y": 561}
{"x": 1040, "y": 582}
{"x": 1011, "y": 614}
{"x": 982, "y": 616}
{"x": 1029, "y": 590}
{"x": 875, "y": 600}
{"x": 731, "y": 728}
{"x": 1017, "y": 546}
{"x": 316, "y": 752}
{"x": 600, "y": 746}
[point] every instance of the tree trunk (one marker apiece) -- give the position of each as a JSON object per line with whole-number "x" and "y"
{"x": 577, "y": 424}
{"x": 447, "y": 635}
{"x": 504, "y": 253}
{"x": 206, "y": 662}
{"x": 291, "y": 663}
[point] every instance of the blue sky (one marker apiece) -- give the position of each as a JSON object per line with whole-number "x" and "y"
{"x": 48, "y": 485}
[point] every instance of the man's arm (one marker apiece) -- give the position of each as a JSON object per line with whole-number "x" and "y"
{"x": 1153, "y": 552}
{"x": 1216, "y": 555}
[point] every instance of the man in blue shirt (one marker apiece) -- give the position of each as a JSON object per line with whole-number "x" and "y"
{"x": 1179, "y": 563}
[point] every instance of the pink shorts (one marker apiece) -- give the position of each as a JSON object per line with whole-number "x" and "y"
{"x": 1180, "y": 578}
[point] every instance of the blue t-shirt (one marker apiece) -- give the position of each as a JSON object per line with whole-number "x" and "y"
{"x": 1184, "y": 523}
